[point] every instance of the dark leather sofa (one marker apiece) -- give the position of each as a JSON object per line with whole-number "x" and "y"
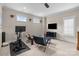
{"x": 41, "y": 40}
{"x": 44, "y": 41}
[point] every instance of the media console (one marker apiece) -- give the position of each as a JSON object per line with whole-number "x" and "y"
{"x": 51, "y": 34}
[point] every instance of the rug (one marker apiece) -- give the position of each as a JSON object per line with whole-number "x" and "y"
{"x": 17, "y": 52}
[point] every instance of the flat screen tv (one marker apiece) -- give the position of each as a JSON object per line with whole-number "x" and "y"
{"x": 52, "y": 26}
{"x": 20, "y": 28}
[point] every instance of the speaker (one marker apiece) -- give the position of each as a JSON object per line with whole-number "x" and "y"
{"x": 3, "y": 36}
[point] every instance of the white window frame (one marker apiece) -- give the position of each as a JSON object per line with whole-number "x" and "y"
{"x": 36, "y": 20}
{"x": 73, "y": 29}
{"x": 19, "y": 18}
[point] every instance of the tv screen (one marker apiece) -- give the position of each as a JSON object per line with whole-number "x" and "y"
{"x": 52, "y": 26}
{"x": 20, "y": 28}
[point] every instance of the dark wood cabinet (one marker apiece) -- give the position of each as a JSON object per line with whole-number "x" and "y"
{"x": 77, "y": 40}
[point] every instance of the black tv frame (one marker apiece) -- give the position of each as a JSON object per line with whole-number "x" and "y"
{"x": 52, "y": 26}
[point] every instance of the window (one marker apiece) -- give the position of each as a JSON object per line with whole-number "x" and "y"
{"x": 69, "y": 26}
{"x": 36, "y": 20}
{"x": 21, "y": 18}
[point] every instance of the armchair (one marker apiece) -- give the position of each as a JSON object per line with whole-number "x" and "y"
{"x": 30, "y": 38}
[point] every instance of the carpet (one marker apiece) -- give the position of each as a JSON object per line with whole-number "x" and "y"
{"x": 18, "y": 51}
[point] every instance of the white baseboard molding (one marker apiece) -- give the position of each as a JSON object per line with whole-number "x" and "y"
{"x": 66, "y": 41}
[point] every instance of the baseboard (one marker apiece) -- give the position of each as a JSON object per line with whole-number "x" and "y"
{"x": 66, "y": 41}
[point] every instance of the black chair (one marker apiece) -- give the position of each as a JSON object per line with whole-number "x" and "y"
{"x": 41, "y": 41}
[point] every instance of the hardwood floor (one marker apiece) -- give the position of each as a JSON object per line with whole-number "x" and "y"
{"x": 61, "y": 48}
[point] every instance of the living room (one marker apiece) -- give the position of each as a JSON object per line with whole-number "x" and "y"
{"x": 53, "y": 23}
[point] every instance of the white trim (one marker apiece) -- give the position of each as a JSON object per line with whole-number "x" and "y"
{"x": 74, "y": 34}
{"x": 21, "y": 20}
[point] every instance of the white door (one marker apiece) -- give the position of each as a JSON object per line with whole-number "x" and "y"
{"x": 0, "y": 25}
{"x": 0, "y": 33}
{"x": 69, "y": 29}
{"x": 0, "y": 36}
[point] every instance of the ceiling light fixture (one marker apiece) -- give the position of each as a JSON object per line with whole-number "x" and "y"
{"x": 24, "y": 7}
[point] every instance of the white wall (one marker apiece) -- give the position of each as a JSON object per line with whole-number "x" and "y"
{"x": 0, "y": 25}
{"x": 43, "y": 25}
{"x": 59, "y": 29}
{"x": 34, "y": 28}
{"x": 58, "y": 18}
{"x": 10, "y": 23}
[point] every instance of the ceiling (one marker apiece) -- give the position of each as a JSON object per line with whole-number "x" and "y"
{"x": 39, "y": 9}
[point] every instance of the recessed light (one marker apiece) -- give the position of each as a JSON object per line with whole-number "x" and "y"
{"x": 24, "y": 7}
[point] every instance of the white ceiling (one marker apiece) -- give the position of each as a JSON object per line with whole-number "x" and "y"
{"x": 39, "y": 9}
